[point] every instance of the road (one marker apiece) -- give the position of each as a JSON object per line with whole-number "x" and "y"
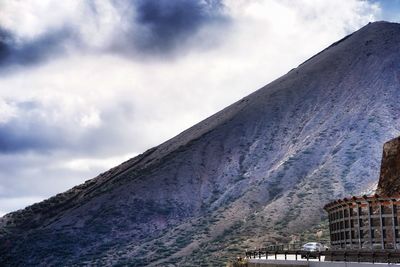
{"x": 289, "y": 257}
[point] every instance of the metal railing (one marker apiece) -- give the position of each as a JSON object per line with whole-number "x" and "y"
{"x": 330, "y": 255}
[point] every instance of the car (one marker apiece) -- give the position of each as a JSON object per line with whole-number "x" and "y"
{"x": 309, "y": 248}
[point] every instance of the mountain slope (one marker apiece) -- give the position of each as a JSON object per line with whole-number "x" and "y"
{"x": 258, "y": 171}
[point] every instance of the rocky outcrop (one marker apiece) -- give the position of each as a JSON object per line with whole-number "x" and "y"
{"x": 389, "y": 179}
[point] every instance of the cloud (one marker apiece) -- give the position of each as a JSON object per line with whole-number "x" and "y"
{"x": 118, "y": 77}
{"x": 33, "y": 31}
{"x": 165, "y": 25}
{"x": 4, "y": 46}
{"x": 32, "y": 52}
{"x": 127, "y": 28}
{"x": 55, "y": 123}
{"x": 27, "y": 129}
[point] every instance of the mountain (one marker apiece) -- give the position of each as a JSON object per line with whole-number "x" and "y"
{"x": 258, "y": 171}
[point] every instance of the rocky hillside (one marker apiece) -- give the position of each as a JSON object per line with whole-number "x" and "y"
{"x": 389, "y": 178}
{"x": 258, "y": 171}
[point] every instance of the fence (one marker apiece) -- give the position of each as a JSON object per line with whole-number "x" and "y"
{"x": 331, "y": 255}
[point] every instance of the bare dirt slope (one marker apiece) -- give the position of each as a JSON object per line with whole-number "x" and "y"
{"x": 258, "y": 171}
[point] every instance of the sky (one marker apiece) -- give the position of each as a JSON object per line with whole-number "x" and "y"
{"x": 88, "y": 84}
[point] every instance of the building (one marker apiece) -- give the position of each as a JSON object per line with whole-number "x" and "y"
{"x": 370, "y": 222}
{"x": 365, "y": 222}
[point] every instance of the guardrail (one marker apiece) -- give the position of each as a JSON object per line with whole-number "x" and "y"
{"x": 331, "y": 255}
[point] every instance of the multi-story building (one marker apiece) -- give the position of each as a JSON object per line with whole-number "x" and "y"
{"x": 370, "y": 222}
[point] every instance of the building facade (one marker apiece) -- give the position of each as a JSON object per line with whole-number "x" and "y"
{"x": 367, "y": 222}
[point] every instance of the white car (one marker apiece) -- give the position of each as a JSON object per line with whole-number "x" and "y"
{"x": 311, "y": 247}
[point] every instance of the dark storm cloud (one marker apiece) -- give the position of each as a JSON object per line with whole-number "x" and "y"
{"x": 5, "y": 44}
{"x": 27, "y": 132}
{"x": 13, "y": 51}
{"x": 169, "y": 24}
{"x": 154, "y": 27}
{"x": 16, "y": 138}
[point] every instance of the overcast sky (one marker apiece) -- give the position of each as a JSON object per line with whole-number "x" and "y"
{"x": 85, "y": 85}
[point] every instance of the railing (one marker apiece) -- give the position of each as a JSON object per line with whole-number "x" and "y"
{"x": 330, "y": 255}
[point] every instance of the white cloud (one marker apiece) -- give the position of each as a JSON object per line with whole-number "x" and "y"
{"x": 32, "y": 18}
{"x": 7, "y": 111}
{"x": 135, "y": 104}
{"x": 90, "y": 164}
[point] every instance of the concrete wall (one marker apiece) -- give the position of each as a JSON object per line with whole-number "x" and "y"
{"x": 277, "y": 263}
